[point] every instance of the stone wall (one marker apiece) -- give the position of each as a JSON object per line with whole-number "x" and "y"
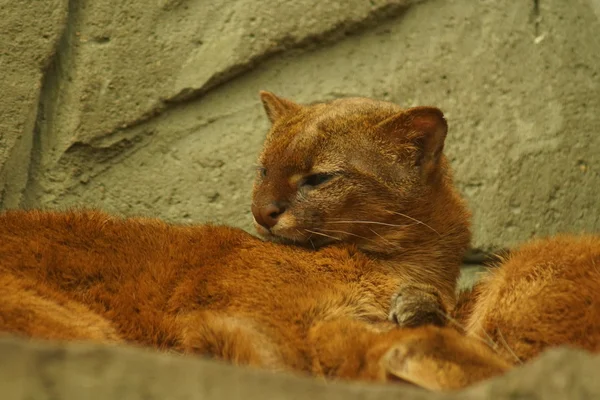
{"x": 151, "y": 107}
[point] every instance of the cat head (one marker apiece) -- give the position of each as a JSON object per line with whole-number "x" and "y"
{"x": 352, "y": 170}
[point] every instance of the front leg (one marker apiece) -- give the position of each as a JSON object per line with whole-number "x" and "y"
{"x": 416, "y": 305}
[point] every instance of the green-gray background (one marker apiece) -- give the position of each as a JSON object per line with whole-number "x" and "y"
{"x": 151, "y": 108}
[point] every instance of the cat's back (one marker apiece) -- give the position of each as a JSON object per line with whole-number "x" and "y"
{"x": 546, "y": 293}
{"x": 556, "y": 264}
{"x": 94, "y": 242}
{"x": 129, "y": 264}
{"x": 76, "y": 226}
{"x": 98, "y": 227}
{"x": 118, "y": 274}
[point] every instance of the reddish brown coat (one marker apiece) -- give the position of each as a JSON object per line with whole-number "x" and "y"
{"x": 220, "y": 292}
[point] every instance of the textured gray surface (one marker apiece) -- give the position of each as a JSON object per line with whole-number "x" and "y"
{"x": 130, "y": 123}
{"x": 27, "y": 46}
{"x": 75, "y": 371}
{"x": 469, "y": 275}
{"x": 153, "y": 108}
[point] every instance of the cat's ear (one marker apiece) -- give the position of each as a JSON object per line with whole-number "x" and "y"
{"x": 276, "y": 107}
{"x": 422, "y": 127}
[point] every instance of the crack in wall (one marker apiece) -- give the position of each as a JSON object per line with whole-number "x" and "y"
{"x": 536, "y": 17}
{"x": 286, "y": 44}
{"x": 46, "y": 108}
{"x": 58, "y": 67}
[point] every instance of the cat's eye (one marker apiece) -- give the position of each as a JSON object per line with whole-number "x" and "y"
{"x": 262, "y": 171}
{"x": 317, "y": 179}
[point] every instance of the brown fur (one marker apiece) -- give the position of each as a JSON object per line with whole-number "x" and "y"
{"x": 545, "y": 294}
{"x": 219, "y": 292}
{"x": 390, "y": 192}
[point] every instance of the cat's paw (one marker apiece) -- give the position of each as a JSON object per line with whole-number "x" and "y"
{"x": 416, "y": 305}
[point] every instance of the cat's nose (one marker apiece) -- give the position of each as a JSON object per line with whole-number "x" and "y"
{"x": 268, "y": 215}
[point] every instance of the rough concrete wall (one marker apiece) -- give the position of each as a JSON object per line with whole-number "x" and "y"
{"x": 50, "y": 371}
{"x": 152, "y": 107}
{"x": 27, "y": 46}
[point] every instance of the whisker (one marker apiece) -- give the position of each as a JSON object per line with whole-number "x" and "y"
{"x": 507, "y": 347}
{"x": 455, "y": 322}
{"x": 452, "y": 320}
{"x": 495, "y": 345}
{"x": 416, "y": 220}
{"x": 344, "y": 232}
{"x": 312, "y": 243}
{"x": 386, "y": 223}
{"x": 322, "y": 234}
{"x": 596, "y": 268}
{"x": 365, "y": 222}
{"x": 385, "y": 240}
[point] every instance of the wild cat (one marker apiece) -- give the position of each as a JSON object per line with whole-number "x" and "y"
{"x": 362, "y": 184}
